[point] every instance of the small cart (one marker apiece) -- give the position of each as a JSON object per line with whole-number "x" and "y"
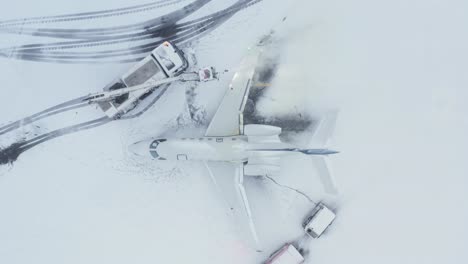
{"x": 318, "y": 221}
{"x": 288, "y": 254}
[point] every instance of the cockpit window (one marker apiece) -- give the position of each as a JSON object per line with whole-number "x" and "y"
{"x": 155, "y": 143}
{"x": 154, "y": 154}
{"x": 153, "y": 147}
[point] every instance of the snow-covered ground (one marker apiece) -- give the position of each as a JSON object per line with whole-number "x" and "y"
{"x": 396, "y": 72}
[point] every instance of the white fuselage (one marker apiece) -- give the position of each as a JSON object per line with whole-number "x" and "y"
{"x": 231, "y": 149}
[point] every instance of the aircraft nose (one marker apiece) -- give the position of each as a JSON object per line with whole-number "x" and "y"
{"x": 140, "y": 148}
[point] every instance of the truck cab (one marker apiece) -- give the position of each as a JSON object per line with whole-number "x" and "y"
{"x": 164, "y": 61}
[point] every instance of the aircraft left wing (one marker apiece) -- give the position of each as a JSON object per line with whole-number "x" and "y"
{"x": 228, "y": 120}
{"x": 229, "y": 180}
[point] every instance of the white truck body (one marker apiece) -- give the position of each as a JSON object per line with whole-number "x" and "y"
{"x": 288, "y": 254}
{"x": 164, "y": 62}
{"x": 319, "y": 220}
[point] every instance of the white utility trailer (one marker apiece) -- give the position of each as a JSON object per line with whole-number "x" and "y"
{"x": 319, "y": 220}
{"x": 162, "y": 66}
{"x": 288, "y": 254}
{"x": 316, "y": 223}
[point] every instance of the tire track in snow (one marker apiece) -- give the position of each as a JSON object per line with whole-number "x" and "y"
{"x": 149, "y": 33}
{"x": 140, "y": 50}
{"x": 87, "y": 15}
{"x": 37, "y": 117}
{"x": 99, "y": 33}
{"x": 86, "y": 44}
{"x": 36, "y": 52}
{"x": 12, "y": 152}
{"x": 153, "y": 24}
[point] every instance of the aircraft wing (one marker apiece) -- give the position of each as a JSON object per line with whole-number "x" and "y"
{"x": 229, "y": 180}
{"x": 228, "y": 120}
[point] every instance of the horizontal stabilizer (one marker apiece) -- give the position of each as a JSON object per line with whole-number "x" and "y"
{"x": 324, "y": 130}
{"x": 325, "y": 172}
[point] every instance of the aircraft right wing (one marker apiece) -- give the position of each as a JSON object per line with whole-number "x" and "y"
{"x": 228, "y": 120}
{"x": 229, "y": 180}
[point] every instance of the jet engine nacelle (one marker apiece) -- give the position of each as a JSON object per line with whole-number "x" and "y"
{"x": 262, "y": 133}
{"x": 260, "y": 169}
{"x": 261, "y": 130}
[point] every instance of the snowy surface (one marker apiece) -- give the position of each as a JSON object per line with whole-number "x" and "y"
{"x": 396, "y": 70}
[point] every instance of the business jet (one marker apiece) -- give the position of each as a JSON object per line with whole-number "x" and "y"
{"x": 232, "y": 150}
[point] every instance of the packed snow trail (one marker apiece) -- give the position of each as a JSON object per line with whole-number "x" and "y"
{"x": 75, "y": 57}
{"x": 150, "y": 32}
{"x": 11, "y": 153}
{"x": 87, "y": 15}
{"x": 148, "y": 27}
{"x": 178, "y": 33}
{"x": 99, "y": 33}
{"x": 60, "y": 108}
